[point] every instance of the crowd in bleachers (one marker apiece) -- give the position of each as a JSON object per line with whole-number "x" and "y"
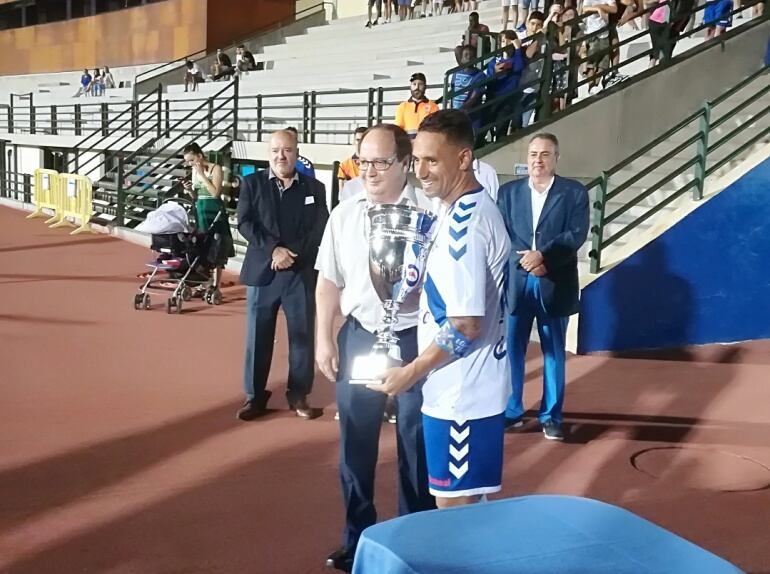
{"x": 96, "y": 83}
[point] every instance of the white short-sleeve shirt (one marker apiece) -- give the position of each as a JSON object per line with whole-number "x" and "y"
{"x": 487, "y": 177}
{"x": 464, "y": 278}
{"x": 343, "y": 259}
{"x": 594, "y": 21}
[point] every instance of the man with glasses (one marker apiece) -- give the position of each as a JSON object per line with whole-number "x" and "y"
{"x": 345, "y": 288}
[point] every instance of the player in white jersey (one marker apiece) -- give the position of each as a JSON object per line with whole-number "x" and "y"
{"x": 461, "y": 334}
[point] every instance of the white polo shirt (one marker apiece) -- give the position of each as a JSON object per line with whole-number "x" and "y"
{"x": 343, "y": 259}
{"x": 464, "y": 278}
{"x": 538, "y": 202}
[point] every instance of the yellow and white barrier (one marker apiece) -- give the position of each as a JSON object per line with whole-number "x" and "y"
{"x": 46, "y": 194}
{"x": 75, "y": 202}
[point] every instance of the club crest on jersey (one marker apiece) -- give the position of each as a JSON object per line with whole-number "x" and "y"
{"x": 412, "y": 275}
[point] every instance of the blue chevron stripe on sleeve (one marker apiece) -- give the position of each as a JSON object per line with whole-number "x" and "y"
{"x": 465, "y": 206}
{"x": 461, "y": 218}
{"x": 458, "y": 233}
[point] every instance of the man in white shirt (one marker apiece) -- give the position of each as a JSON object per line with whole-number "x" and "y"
{"x": 487, "y": 177}
{"x": 192, "y": 76}
{"x": 345, "y": 288}
{"x": 461, "y": 331}
{"x": 598, "y": 39}
{"x": 547, "y": 220}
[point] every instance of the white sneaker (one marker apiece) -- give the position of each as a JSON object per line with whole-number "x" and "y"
{"x": 593, "y": 90}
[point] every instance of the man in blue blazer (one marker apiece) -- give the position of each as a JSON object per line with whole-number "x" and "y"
{"x": 547, "y": 218}
{"x": 282, "y": 215}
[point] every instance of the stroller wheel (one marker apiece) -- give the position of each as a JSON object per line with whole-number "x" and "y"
{"x": 146, "y": 301}
{"x": 216, "y": 297}
{"x": 186, "y": 294}
{"x": 138, "y": 301}
{"x": 178, "y": 304}
{"x": 170, "y": 305}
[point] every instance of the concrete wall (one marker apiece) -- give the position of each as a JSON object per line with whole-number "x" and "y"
{"x": 598, "y": 134}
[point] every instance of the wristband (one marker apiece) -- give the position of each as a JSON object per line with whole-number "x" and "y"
{"x": 452, "y": 341}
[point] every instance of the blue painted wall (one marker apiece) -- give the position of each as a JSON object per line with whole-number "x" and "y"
{"x": 705, "y": 280}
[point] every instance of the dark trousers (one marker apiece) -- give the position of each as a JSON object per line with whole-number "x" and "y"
{"x": 295, "y": 292}
{"x": 361, "y": 411}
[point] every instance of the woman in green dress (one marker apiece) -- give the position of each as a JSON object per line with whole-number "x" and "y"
{"x": 206, "y": 189}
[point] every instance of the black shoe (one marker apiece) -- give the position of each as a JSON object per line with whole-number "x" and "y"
{"x": 552, "y": 430}
{"x": 341, "y": 559}
{"x": 514, "y": 424}
{"x": 303, "y": 410}
{"x": 254, "y": 408}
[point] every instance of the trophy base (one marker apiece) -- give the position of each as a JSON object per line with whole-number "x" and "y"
{"x": 365, "y": 367}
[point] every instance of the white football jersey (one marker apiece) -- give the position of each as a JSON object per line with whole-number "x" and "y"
{"x": 465, "y": 274}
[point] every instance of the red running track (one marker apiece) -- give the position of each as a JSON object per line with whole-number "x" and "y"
{"x": 120, "y": 452}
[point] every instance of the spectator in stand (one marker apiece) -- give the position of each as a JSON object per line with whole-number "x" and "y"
{"x": 437, "y": 8}
{"x": 303, "y": 164}
{"x": 85, "y": 84}
{"x": 403, "y": 9}
{"x": 560, "y": 37}
{"x": 613, "y": 21}
{"x": 471, "y": 36}
{"x": 572, "y": 31}
{"x": 468, "y": 87}
{"x": 348, "y": 169}
{"x": 370, "y": 22}
{"x": 718, "y": 17}
{"x": 660, "y": 32}
{"x": 598, "y": 45}
{"x": 222, "y": 67}
{"x": 244, "y": 60}
{"x": 510, "y": 12}
{"x": 505, "y": 71}
{"x": 192, "y": 76}
{"x": 107, "y": 80}
{"x": 534, "y": 51}
{"x": 410, "y": 113}
{"x": 96, "y": 83}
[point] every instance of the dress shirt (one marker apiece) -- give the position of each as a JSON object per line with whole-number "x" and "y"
{"x": 538, "y": 202}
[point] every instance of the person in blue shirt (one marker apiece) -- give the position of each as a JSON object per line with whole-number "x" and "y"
{"x": 468, "y": 86}
{"x": 303, "y": 165}
{"x": 506, "y": 69}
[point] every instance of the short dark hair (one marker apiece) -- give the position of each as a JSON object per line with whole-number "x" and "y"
{"x": 241, "y": 46}
{"x": 474, "y": 15}
{"x": 192, "y": 147}
{"x": 189, "y": 64}
{"x": 548, "y": 137}
{"x": 536, "y": 15}
{"x": 400, "y": 137}
{"x": 360, "y": 130}
{"x": 510, "y": 34}
{"x": 454, "y": 124}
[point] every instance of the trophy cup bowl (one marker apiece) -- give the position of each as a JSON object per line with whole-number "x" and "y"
{"x": 399, "y": 241}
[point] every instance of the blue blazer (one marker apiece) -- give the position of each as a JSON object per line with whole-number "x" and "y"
{"x": 561, "y": 231}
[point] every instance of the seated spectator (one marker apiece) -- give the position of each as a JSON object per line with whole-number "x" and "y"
{"x": 349, "y": 168}
{"x": 244, "y": 60}
{"x": 222, "y": 67}
{"x": 107, "y": 80}
{"x": 410, "y": 113}
{"x": 598, "y": 45}
{"x": 303, "y": 165}
{"x": 468, "y": 87}
{"x": 85, "y": 84}
{"x": 192, "y": 76}
{"x": 505, "y": 69}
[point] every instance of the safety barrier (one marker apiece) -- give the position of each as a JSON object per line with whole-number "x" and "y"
{"x": 75, "y": 202}
{"x": 46, "y": 194}
{"x": 68, "y": 195}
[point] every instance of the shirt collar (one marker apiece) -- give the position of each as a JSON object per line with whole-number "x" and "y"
{"x": 547, "y": 189}
{"x": 271, "y": 175}
{"x": 408, "y": 196}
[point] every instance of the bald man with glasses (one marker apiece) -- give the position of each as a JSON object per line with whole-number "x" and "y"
{"x": 344, "y": 288}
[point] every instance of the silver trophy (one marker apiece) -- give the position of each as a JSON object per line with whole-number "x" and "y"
{"x": 399, "y": 241}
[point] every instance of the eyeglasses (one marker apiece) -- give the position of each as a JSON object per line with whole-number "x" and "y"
{"x": 378, "y": 164}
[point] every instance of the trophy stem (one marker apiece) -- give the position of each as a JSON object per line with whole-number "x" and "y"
{"x": 387, "y": 341}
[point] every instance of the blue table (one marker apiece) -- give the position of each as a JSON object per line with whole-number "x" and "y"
{"x": 532, "y": 535}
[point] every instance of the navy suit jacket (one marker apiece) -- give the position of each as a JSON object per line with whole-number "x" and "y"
{"x": 561, "y": 231}
{"x": 302, "y": 209}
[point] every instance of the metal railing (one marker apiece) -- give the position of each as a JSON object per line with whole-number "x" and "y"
{"x": 541, "y": 96}
{"x": 691, "y": 145}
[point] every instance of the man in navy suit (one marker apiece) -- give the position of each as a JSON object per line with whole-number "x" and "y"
{"x": 282, "y": 215}
{"x": 547, "y": 220}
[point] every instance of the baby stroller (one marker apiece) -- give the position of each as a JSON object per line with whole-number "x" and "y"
{"x": 185, "y": 262}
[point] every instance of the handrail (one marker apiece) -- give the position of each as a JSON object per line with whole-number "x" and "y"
{"x": 699, "y": 161}
{"x": 271, "y": 27}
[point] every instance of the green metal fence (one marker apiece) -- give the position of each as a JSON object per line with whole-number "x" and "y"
{"x": 695, "y": 147}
